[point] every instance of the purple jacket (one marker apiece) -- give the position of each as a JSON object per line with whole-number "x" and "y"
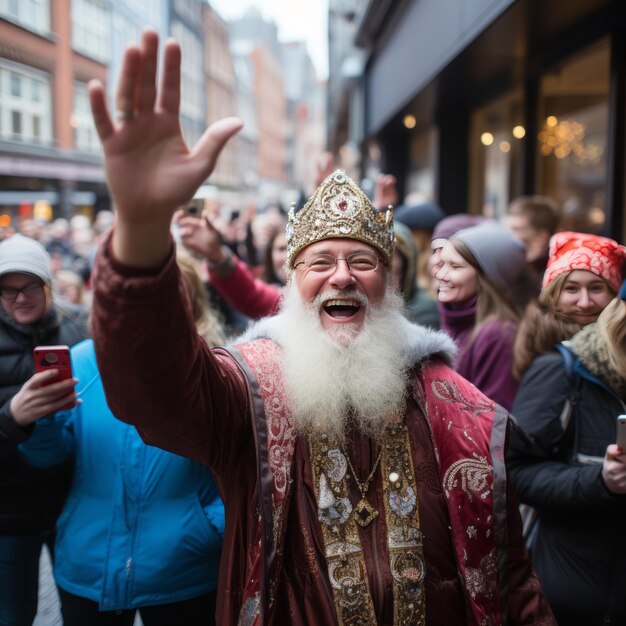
{"x": 486, "y": 359}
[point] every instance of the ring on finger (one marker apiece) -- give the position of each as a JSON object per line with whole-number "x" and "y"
{"x": 124, "y": 116}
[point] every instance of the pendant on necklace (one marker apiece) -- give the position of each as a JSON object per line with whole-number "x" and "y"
{"x": 364, "y": 512}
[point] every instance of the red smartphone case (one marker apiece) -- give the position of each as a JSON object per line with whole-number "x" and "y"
{"x": 54, "y": 357}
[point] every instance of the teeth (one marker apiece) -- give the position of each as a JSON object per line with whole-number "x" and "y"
{"x": 354, "y": 303}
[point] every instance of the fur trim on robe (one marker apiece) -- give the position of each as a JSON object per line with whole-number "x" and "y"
{"x": 420, "y": 343}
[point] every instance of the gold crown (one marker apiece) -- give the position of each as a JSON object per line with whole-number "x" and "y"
{"x": 338, "y": 208}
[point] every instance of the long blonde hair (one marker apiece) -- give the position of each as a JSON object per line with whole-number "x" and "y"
{"x": 207, "y": 322}
{"x": 612, "y": 325}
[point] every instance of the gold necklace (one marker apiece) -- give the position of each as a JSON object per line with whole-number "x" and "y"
{"x": 363, "y": 512}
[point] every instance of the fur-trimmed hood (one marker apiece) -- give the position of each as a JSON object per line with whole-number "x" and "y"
{"x": 420, "y": 343}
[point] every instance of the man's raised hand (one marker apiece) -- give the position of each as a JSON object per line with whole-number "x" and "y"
{"x": 150, "y": 170}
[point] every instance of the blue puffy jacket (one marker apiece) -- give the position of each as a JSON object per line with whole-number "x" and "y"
{"x": 141, "y": 526}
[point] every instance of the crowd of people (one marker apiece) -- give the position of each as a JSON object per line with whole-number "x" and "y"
{"x": 404, "y": 381}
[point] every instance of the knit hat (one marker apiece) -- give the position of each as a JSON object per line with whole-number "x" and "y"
{"x": 452, "y": 224}
{"x": 581, "y": 251}
{"x": 23, "y": 255}
{"x": 499, "y": 254}
{"x": 423, "y": 216}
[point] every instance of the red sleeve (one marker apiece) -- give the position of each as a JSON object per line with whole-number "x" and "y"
{"x": 246, "y": 293}
{"x": 157, "y": 372}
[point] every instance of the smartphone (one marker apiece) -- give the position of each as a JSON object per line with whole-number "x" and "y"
{"x": 54, "y": 357}
{"x": 621, "y": 432}
{"x": 192, "y": 210}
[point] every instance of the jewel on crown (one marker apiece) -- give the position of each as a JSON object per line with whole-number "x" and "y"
{"x": 339, "y": 208}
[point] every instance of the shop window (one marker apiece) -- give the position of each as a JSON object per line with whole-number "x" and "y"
{"x": 420, "y": 183}
{"x": 573, "y": 134}
{"x": 496, "y": 134}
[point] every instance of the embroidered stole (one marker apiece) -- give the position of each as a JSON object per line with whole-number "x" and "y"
{"x": 342, "y": 546}
{"x": 466, "y": 457}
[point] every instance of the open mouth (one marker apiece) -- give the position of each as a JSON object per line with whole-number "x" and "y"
{"x": 341, "y": 308}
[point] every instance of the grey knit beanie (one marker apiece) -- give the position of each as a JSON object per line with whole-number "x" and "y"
{"x": 23, "y": 255}
{"x": 499, "y": 254}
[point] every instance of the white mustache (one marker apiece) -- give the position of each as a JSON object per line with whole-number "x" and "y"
{"x": 334, "y": 294}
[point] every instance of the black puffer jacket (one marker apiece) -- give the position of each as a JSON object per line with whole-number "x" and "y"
{"x": 30, "y": 498}
{"x": 580, "y": 547}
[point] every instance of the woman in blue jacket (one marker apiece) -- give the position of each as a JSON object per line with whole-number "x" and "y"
{"x": 142, "y": 528}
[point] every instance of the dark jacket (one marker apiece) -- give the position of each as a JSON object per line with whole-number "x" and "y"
{"x": 30, "y": 498}
{"x": 580, "y": 547}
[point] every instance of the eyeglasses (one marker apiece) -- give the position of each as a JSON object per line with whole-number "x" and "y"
{"x": 11, "y": 293}
{"x": 357, "y": 262}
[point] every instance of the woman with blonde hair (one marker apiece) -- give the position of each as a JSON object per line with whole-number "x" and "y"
{"x": 479, "y": 266}
{"x": 208, "y": 323}
{"x": 572, "y": 472}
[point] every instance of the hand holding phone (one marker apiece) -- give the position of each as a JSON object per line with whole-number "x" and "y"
{"x": 48, "y": 390}
{"x": 620, "y": 440}
{"x": 54, "y": 357}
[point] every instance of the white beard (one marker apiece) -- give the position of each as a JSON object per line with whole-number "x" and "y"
{"x": 345, "y": 378}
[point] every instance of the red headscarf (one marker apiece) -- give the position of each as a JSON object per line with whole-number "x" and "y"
{"x": 582, "y": 251}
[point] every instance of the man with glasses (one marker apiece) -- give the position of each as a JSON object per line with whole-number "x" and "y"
{"x": 363, "y": 480}
{"x": 30, "y": 498}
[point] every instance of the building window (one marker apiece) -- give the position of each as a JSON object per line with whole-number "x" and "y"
{"x": 16, "y": 123}
{"x": 90, "y": 29}
{"x": 192, "y": 81}
{"x": 25, "y": 112}
{"x": 16, "y": 85}
{"x": 495, "y": 151}
{"x": 31, "y": 14}
{"x": 85, "y": 136}
{"x": 573, "y": 135}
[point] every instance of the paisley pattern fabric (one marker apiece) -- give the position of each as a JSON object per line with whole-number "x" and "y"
{"x": 468, "y": 435}
{"x": 582, "y": 251}
{"x": 276, "y": 438}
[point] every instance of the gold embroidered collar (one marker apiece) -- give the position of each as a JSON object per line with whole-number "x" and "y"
{"x": 342, "y": 544}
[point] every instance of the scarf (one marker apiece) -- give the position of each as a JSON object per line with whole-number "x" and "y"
{"x": 593, "y": 352}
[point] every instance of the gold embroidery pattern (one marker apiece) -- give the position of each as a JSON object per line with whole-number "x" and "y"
{"x": 473, "y": 476}
{"x": 404, "y": 538}
{"x": 344, "y": 555}
{"x": 309, "y": 550}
